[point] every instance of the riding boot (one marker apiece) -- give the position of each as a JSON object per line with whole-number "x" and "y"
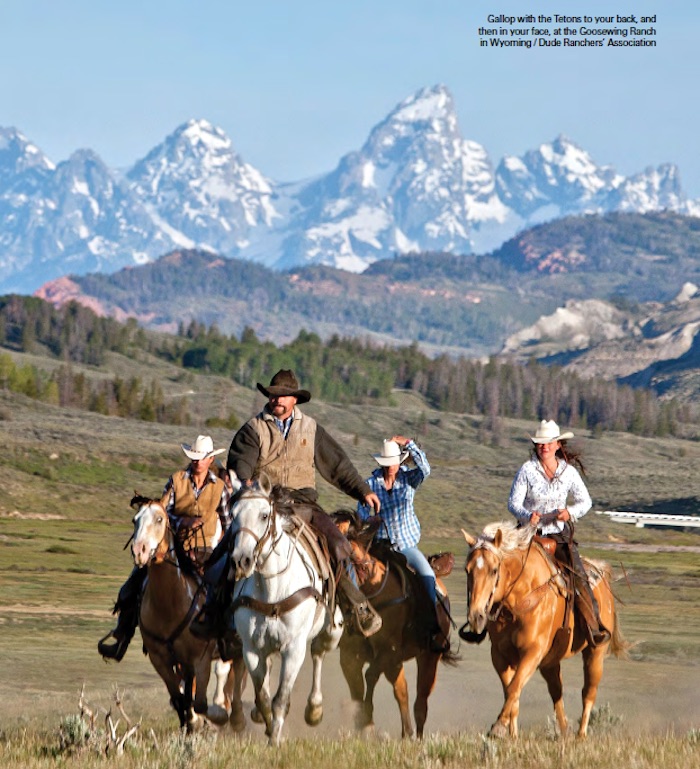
{"x": 209, "y": 623}
{"x": 586, "y": 603}
{"x": 127, "y": 609}
{"x": 366, "y": 619}
{"x": 587, "y": 607}
{"x": 439, "y": 642}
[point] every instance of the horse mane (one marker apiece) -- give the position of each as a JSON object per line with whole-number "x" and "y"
{"x": 358, "y": 530}
{"x": 514, "y": 537}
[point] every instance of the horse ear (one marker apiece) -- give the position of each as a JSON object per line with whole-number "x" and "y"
{"x": 498, "y": 539}
{"x": 265, "y": 484}
{"x": 471, "y": 541}
{"x": 236, "y": 484}
{"x": 137, "y": 500}
{"x": 344, "y": 527}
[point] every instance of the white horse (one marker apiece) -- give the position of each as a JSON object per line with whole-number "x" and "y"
{"x": 171, "y": 598}
{"x": 278, "y": 607}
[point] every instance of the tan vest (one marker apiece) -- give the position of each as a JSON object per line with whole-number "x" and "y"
{"x": 186, "y": 504}
{"x": 287, "y": 462}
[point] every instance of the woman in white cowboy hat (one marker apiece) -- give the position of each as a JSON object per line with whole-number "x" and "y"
{"x": 195, "y": 492}
{"x": 549, "y": 494}
{"x": 396, "y": 485}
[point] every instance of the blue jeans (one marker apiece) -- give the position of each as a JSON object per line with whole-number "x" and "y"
{"x": 420, "y": 564}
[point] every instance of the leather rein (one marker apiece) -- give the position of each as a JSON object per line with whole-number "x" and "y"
{"x": 494, "y": 615}
{"x": 159, "y": 556}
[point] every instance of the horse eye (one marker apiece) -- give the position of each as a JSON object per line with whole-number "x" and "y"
{"x": 265, "y": 516}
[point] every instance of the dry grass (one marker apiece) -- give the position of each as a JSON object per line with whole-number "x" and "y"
{"x": 64, "y": 518}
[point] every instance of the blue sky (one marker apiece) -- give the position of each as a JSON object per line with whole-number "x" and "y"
{"x": 298, "y": 84}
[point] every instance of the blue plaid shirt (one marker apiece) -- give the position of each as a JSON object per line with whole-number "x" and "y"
{"x": 401, "y": 524}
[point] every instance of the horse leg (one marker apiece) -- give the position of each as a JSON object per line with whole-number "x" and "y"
{"x": 202, "y": 674}
{"x": 313, "y": 714}
{"x": 292, "y": 660}
{"x": 172, "y": 681}
{"x": 426, "y": 677}
{"x": 259, "y": 669}
{"x": 189, "y": 688}
{"x": 552, "y": 675}
{"x": 593, "y": 659}
{"x": 234, "y": 692}
{"x": 508, "y": 717}
{"x": 372, "y": 674}
{"x": 396, "y": 675}
{"x": 218, "y": 711}
{"x": 351, "y": 663}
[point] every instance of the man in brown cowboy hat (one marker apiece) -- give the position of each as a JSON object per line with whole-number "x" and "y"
{"x": 289, "y": 446}
{"x": 195, "y": 492}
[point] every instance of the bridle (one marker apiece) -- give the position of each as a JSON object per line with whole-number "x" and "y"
{"x": 270, "y": 534}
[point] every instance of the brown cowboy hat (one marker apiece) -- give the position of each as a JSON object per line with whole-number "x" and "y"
{"x": 285, "y": 383}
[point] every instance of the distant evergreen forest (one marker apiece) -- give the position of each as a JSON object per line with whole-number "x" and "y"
{"x": 338, "y": 370}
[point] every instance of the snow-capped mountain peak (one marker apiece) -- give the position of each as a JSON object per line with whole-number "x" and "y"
{"x": 415, "y": 184}
{"x": 195, "y": 181}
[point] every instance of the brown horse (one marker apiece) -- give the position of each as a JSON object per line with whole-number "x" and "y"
{"x": 395, "y": 596}
{"x": 172, "y": 596}
{"x": 515, "y": 591}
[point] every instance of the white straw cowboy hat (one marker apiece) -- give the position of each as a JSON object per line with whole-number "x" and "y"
{"x": 285, "y": 383}
{"x": 548, "y": 432}
{"x": 202, "y": 448}
{"x": 391, "y": 454}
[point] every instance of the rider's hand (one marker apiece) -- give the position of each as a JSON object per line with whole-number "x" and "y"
{"x": 563, "y": 515}
{"x": 372, "y": 501}
{"x": 403, "y": 442}
{"x": 534, "y": 519}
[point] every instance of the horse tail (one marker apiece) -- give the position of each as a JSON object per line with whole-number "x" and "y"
{"x": 619, "y": 646}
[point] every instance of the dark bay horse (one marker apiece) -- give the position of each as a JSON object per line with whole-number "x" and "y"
{"x": 398, "y": 600}
{"x": 172, "y": 596}
{"x": 516, "y": 593}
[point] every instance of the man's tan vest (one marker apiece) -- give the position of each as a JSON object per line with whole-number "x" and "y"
{"x": 287, "y": 462}
{"x": 204, "y": 507}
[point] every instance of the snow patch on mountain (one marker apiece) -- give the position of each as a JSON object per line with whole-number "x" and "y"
{"x": 415, "y": 185}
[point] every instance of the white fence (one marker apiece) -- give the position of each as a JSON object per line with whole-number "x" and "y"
{"x": 640, "y": 520}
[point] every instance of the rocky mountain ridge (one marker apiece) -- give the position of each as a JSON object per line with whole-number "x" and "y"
{"x": 416, "y": 185}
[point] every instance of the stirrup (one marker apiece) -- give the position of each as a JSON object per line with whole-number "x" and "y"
{"x": 114, "y": 650}
{"x": 367, "y": 620}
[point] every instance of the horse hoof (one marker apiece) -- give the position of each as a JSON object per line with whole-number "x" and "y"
{"x": 256, "y": 716}
{"x": 498, "y": 731}
{"x": 237, "y": 721}
{"x": 217, "y": 715}
{"x": 313, "y": 714}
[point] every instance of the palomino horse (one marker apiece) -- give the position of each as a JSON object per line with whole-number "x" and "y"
{"x": 278, "y": 606}
{"x": 516, "y": 592}
{"x": 394, "y": 595}
{"x": 172, "y": 596}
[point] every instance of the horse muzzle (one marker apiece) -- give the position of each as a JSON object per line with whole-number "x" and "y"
{"x": 477, "y": 620}
{"x": 243, "y": 564}
{"x": 142, "y": 553}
